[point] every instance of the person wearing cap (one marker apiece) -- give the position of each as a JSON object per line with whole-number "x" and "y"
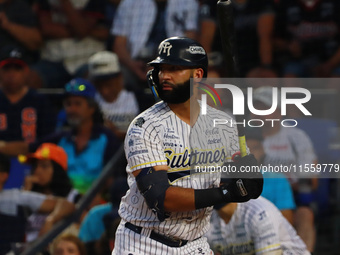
{"x": 49, "y": 177}
{"x": 24, "y": 114}
{"x": 276, "y": 186}
{"x": 119, "y": 106}
{"x": 73, "y": 31}
{"x": 19, "y": 27}
{"x": 15, "y": 203}
{"x": 285, "y": 146}
{"x": 88, "y": 144}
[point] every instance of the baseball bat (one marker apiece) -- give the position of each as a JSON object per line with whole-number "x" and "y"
{"x": 225, "y": 19}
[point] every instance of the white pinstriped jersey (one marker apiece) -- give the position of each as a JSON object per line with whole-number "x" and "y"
{"x": 120, "y": 112}
{"x": 256, "y": 227}
{"x": 291, "y": 146}
{"x": 158, "y": 137}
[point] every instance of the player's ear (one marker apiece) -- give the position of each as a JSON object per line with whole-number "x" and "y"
{"x": 198, "y": 73}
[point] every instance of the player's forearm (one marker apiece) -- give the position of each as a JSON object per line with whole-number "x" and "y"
{"x": 179, "y": 199}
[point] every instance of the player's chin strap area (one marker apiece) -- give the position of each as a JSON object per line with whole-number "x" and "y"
{"x": 152, "y": 78}
{"x": 237, "y": 190}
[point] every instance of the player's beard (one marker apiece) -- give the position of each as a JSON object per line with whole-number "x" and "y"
{"x": 179, "y": 94}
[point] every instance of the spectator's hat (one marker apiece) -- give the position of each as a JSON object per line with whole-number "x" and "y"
{"x": 265, "y": 96}
{"x": 12, "y": 55}
{"x": 80, "y": 87}
{"x": 103, "y": 65}
{"x": 49, "y": 151}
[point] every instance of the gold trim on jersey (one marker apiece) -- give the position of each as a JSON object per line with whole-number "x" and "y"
{"x": 269, "y": 247}
{"x": 143, "y": 164}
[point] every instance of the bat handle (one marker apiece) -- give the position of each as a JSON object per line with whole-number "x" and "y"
{"x": 243, "y": 146}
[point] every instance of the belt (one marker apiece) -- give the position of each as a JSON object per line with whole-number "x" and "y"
{"x": 158, "y": 237}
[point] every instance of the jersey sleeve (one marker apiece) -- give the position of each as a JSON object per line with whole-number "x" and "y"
{"x": 305, "y": 149}
{"x": 143, "y": 147}
{"x": 121, "y": 25}
{"x": 264, "y": 232}
{"x": 193, "y": 13}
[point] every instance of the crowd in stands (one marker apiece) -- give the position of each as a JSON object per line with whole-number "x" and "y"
{"x": 97, "y": 52}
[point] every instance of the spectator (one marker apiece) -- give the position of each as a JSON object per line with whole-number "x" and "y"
{"x": 111, "y": 9}
{"x": 48, "y": 177}
{"x": 74, "y": 30}
{"x": 307, "y": 34}
{"x": 67, "y": 244}
{"x": 254, "y": 22}
{"x": 139, "y": 27}
{"x": 94, "y": 226}
{"x": 285, "y": 146}
{"x": 119, "y": 106}
{"x": 24, "y": 114}
{"x": 14, "y": 205}
{"x": 88, "y": 144}
{"x": 19, "y": 27}
{"x": 253, "y": 227}
{"x": 276, "y": 187}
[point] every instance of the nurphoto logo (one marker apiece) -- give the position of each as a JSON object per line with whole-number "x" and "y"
{"x": 279, "y": 98}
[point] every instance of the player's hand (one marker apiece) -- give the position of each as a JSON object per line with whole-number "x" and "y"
{"x": 249, "y": 184}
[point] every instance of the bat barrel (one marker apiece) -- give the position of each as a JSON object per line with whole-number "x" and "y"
{"x": 225, "y": 18}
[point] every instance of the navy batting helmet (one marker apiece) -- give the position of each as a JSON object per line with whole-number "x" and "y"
{"x": 180, "y": 51}
{"x": 183, "y": 52}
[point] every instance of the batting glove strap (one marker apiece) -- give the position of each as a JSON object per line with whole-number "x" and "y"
{"x": 208, "y": 197}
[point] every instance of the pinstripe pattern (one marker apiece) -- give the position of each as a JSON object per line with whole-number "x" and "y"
{"x": 120, "y": 112}
{"x": 256, "y": 226}
{"x": 159, "y": 137}
{"x": 134, "y": 20}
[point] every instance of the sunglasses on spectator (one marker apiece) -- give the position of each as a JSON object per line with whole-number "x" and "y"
{"x": 75, "y": 87}
{"x": 80, "y": 87}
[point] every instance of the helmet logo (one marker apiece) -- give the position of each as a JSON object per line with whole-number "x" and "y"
{"x": 196, "y": 50}
{"x": 165, "y": 47}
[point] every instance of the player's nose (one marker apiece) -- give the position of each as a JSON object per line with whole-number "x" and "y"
{"x": 164, "y": 75}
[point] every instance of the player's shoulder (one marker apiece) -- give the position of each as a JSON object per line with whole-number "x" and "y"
{"x": 258, "y": 210}
{"x": 211, "y": 111}
{"x": 150, "y": 116}
{"x": 220, "y": 119}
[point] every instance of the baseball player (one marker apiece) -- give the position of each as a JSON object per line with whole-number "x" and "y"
{"x": 167, "y": 207}
{"x": 254, "y": 227}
